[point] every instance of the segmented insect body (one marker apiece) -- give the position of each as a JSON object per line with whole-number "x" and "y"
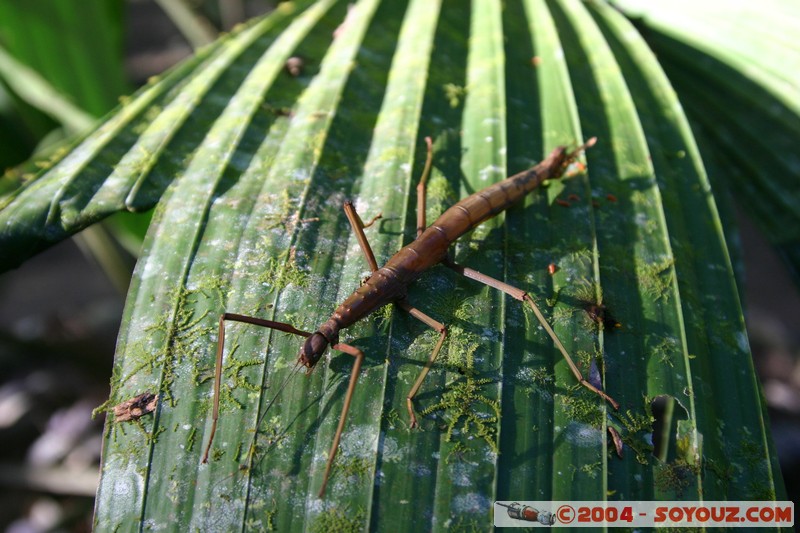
{"x": 388, "y": 284}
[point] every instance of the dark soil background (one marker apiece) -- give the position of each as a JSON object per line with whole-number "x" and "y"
{"x": 59, "y": 315}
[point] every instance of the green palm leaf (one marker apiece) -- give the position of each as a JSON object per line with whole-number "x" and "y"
{"x": 739, "y": 83}
{"x": 249, "y": 167}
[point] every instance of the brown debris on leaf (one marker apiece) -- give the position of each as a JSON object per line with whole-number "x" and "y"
{"x": 136, "y": 407}
{"x": 600, "y": 314}
{"x": 294, "y": 66}
{"x": 617, "y": 440}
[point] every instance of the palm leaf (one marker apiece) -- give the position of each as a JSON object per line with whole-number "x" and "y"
{"x": 739, "y": 66}
{"x": 249, "y": 167}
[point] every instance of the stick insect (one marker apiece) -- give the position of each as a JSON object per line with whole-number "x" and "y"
{"x": 388, "y": 284}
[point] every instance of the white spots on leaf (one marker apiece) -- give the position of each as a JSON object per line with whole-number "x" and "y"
{"x": 470, "y": 503}
{"x": 360, "y": 441}
{"x": 642, "y": 220}
{"x": 487, "y": 172}
{"x": 419, "y": 470}
{"x": 741, "y": 341}
{"x": 582, "y": 435}
{"x": 129, "y": 483}
{"x": 461, "y": 474}
{"x": 491, "y": 334}
{"x": 299, "y": 174}
{"x": 362, "y": 205}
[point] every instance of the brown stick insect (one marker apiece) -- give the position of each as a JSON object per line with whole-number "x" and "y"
{"x": 388, "y": 284}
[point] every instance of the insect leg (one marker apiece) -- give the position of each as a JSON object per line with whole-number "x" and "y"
{"x": 359, "y": 355}
{"x": 442, "y": 330}
{"x": 422, "y": 189}
{"x": 523, "y": 296}
{"x": 358, "y": 228}
{"x": 280, "y": 326}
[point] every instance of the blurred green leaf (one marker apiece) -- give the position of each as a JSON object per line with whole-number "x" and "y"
{"x": 736, "y": 67}
{"x": 60, "y": 64}
{"x": 77, "y": 48}
{"x": 38, "y": 93}
{"x": 196, "y": 29}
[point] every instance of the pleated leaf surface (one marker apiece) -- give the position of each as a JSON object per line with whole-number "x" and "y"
{"x": 249, "y": 167}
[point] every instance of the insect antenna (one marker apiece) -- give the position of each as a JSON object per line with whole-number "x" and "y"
{"x": 251, "y": 451}
{"x": 298, "y": 365}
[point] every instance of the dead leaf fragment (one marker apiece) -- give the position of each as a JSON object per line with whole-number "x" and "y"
{"x": 617, "y": 440}
{"x": 136, "y": 407}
